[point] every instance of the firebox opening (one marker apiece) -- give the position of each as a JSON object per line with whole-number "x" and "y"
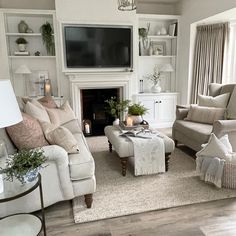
{"x": 93, "y": 109}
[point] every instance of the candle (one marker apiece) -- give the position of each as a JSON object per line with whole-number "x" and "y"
{"x": 47, "y": 88}
{"x": 87, "y": 128}
{"x": 129, "y": 121}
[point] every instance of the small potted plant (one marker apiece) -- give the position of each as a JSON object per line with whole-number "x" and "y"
{"x": 155, "y": 78}
{"x": 116, "y": 108}
{"x": 136, "y": 111}
{"x": 24, "y": 165}
{"x": 21, "y": 44}
{"x": 48, "y": 38}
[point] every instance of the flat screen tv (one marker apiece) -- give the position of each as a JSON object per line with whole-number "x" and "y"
{"x": 98, "y": 46}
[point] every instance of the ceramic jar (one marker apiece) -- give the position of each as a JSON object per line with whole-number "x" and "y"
{"x": 22, "y": 27}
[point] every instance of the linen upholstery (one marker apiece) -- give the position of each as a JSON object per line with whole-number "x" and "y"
{"x": 27, "y": 134}
{"x": 220, "y": 127}
{"x": 214, "y": 89}
{"x": 231, "y": 111}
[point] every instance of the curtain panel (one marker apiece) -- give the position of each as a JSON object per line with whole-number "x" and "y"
{"x": 210, "y": 47}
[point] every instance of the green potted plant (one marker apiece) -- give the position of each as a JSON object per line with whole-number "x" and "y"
{"x": 116, "y": 108}
{"x": 24, "y": 165}
{"x": 21, "y": 44}
{"x": 48, "y": 38}
{"x": 136, "y": 111}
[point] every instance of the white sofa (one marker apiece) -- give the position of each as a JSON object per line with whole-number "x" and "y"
{"x": 65, "y": 177}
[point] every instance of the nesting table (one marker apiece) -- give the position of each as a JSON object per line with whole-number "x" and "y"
{"x": 22, "y": 224}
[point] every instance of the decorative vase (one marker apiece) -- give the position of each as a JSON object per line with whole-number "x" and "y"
{"x": 150, "y": 50}
{"x": 136, "y": 119}
{"x": 156, "y": 88}
{"x": 163, "y": 31}
{"x": 116, "y": 122}
{"x": 22, "y": 27}
{"x": 22, "y": 47}
{"x": 31, "y": 175}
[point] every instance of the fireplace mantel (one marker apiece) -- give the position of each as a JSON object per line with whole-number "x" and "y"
{"x": 79, "y": 81}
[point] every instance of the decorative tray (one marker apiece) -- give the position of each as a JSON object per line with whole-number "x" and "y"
{"x": 123, "y": 126}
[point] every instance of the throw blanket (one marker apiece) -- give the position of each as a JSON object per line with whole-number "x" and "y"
{"x": 149, "y": 154}
{"x": 210, "y": 169}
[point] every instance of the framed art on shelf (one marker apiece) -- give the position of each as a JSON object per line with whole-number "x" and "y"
{"x": 159, "y": 47}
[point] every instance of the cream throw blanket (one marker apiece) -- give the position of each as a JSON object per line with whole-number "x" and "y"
{"x": 149, "y": 154}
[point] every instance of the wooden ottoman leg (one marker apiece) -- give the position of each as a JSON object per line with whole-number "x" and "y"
{"x": 176, "y": 143}
{"x": 124, "y": 162}
{"x": 88, "y": 200}
{"x": 110, "y": 146}
{"x": 167, "y": 160}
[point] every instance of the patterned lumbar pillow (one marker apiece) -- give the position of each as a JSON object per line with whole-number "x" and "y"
{"x": 27, "y": 134}
{"x": 220, "y": 101}
{"x": 60, "y": 136}
{"x": 62, "y": 115}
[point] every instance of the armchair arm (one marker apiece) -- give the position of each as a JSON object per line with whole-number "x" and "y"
{"x": 221, "y": 127}
{"x": 181, "y": 112}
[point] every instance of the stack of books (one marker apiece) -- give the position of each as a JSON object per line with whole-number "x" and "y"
{"x": 21, "y": 53}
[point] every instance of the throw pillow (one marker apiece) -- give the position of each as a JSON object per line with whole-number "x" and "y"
{"x": 215, "y": 148}
{"x": 214, "y": 89}
{"x": 231, "y": 109}
{"x": 59, "y": 116}
{"x": 205, "y": 114}
{"x": 60, "y": 136}
{"x": 37, "y": 111}
{"x": 220, "y": 101}
{"x": 27, "y": 134}
{"x": 48, "y": 102}
{"x": 224, "y": 140}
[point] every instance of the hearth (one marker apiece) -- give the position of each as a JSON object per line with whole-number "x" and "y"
{"x": 93, "y": 114}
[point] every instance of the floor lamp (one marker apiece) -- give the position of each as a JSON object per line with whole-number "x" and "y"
{"x": 10, "y": 115}
{"x": 24, "y": 71}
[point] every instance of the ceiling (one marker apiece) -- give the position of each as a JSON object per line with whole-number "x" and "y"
{"x": 159, "y": 1}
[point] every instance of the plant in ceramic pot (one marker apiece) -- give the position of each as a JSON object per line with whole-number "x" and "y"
{"x": 48, "y": 38}
{"x": 24, "y": 165}
{"x": 136, "y": 111}
{"x": 21, "y": 44}
{"x": 116, "y": 108}
{"x": 155, "y": 78}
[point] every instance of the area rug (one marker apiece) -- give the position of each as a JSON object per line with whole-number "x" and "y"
{"x": 118, "y": 196}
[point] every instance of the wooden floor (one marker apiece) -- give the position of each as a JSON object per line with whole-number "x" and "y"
{"x": 216, "y": 218}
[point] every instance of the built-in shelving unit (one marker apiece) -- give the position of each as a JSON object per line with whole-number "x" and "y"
{"x": 34, "y": 19}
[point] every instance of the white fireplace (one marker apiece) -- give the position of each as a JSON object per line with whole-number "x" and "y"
{"x": 79, "y": 81}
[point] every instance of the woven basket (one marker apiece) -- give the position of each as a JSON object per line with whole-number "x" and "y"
{"x": 229, "y": 176}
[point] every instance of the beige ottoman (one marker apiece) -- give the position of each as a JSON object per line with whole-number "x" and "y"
{"x": 125, "y": 149}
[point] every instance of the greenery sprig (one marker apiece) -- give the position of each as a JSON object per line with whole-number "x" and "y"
{"x": 19, "y": 164}
{"x": 137, "y": 109}
{"x": 48, "y": 39}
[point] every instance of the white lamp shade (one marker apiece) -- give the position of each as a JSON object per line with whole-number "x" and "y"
{"x": 23, "y": 69}
{"x": 10, "y": 113}
{"x": 167, "y": 68}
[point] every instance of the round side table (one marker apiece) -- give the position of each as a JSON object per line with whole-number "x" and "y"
{"x": 22, "y": 224}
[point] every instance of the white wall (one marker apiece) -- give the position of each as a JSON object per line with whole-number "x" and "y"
{"x": 193, "y": 11}
{"x": 28, "y": 4}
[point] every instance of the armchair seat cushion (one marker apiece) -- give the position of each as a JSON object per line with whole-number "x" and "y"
{"x": 81, "y": 164}
{"x": 197, "y": 131}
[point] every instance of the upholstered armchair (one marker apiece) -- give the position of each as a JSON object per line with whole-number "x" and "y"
{"x": 193, "y": 134}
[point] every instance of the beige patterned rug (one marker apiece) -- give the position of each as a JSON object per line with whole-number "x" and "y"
{"x": 118, "y": 196}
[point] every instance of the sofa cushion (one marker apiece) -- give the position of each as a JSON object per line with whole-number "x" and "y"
{"x": 193, "y": 130}
{"x": 81, "y": 164}
{"x": 36, "y": 110}
{"x": 60, "y": 136}
{"x": 220, "y": 101}
{"x": 59, "y": 116}
{"x": 73, "y": 126}
{"x": 227, "y": 88}
{"x": 205, "y": 115}
{"x": 214, "y": 89}
{"x": 27, "y": 134}
{"x": 48, "y": 102}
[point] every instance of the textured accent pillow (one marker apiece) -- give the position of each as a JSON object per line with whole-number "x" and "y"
{"x": 231, "y": 109}
{"x": 214, "y": 89}
{"x": 205, "y": 115}
{"x": 59, "y": 116}
{"x": 220, "y": 101}
{"x": 48, "y": 102}
{"x": 60, "y": 136}
{"x": 215, "y": 148}
{"x": 27, "y": 134}
{"x": 37, "y": 111}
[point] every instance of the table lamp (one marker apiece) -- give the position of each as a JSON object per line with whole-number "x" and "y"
{"x": 10, "y": 115}
{"x": 24, "y": 71}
